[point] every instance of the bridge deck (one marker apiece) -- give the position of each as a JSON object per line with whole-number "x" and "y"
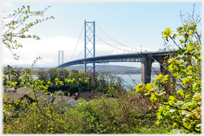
{"x": 130, "y": 57}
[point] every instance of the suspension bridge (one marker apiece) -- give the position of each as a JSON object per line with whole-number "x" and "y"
{"x": 101, "y": 48}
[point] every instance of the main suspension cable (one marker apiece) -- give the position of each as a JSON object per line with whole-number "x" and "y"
{"x": 77, "y": 43}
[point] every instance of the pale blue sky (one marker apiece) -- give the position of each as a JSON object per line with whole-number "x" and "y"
{"x": 133, "y": 24}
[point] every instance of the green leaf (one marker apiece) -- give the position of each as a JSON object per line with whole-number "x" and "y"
{"x": 158, "y": 77}
{"x": 148, "y": 86}
{"x": 171, "y": 68}
{"x": 165, "y": 78}
{"x": 171, "y": 102}
{"x": 167, "y": 32}
{"x": 172, "y": 98}
{"x": 158, "y": 122}
{"x": 181, "y": 92}
{"x": 187, "y": 95}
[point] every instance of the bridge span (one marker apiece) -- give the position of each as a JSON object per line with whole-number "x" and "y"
{"x": 130, "y": 57}
{"x": 146, "y": 59}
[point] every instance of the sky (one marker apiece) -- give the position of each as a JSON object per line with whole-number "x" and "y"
{"x": 134, "y": 24}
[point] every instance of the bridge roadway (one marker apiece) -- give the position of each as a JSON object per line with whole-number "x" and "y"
{"x": 128, "y": 57}
{"x": 143, "y": 57}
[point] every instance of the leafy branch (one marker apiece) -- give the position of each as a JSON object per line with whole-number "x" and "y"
{"x": 14, "y": 26}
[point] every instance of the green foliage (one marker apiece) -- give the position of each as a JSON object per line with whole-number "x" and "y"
{"x": 125, "y": 114}
{"x": 42, "y": 75}
{"x": 99, "y": 116}
{"x": 179, "y": 93}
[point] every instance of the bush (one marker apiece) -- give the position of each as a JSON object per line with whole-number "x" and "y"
{"x": 179, "y": 93}
{"x": 101, "y": 115}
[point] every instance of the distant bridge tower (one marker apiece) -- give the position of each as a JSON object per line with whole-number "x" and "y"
{"x": 60, "y": 57}
{"x": 89, "y": 43}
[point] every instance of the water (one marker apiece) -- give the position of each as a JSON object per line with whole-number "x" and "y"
{"x": 128, "y": 79}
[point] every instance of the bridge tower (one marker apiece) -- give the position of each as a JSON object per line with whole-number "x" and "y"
{"x": 60, "y": 57}
{"x": 89, "y": 43}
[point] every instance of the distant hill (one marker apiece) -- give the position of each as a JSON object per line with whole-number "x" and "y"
{"x": 110, "y": 69}
{"x": 104, "y": 69}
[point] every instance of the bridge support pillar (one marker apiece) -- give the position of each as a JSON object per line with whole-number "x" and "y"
{"x": 85, "y": 66}
{"x": 89, "y": 42}
{"x": 146, "y": 65}
{"x": 94, "y": 67}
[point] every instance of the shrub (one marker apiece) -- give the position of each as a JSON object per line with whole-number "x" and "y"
{"x": 179, "y": 93}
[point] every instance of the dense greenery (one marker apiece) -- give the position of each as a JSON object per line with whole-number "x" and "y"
{"x": 126, "y": 113}
{"x": 73, "y": 81}
{"x": 179, "y": 94}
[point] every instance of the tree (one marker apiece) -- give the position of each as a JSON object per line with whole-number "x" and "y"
{"x": 52, "y": 74}
{"x": 42, "y": 75}
{"x": 16, "y": 27}
{"x": 101, "y": 79}
{"x": 180, "y": 104}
